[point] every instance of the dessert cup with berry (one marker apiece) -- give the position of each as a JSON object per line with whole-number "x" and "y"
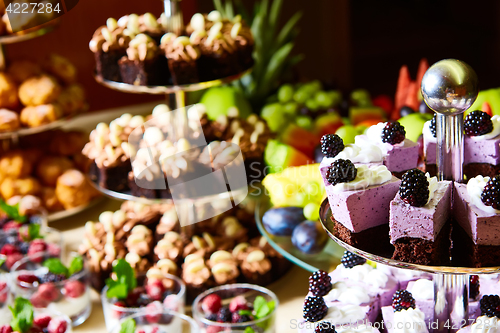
{"x": 160, "y": 321}
{"x": 29, "y": 240}
{"x": 125, "y": 294}
{"x": 24, "y": 318}
{"x": 20, "y": 211}
{"x": 49, "y": 284}
{"x": 236, "y": 307}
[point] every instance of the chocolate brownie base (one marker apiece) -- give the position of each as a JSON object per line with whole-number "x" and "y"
{"x": 183, "y": 72}
{"x": 112, "y": 178}
{"x": 472, "y": 170}
{"x": 107, "y": 64}
{"x": 137, "y": 190}
{"x": 431, "y": 169}
{"x": 144, "y": 73}
{"x": 424, "y": 252}
{"x": 374, "y": 240}
{"x": 469, "y": 254}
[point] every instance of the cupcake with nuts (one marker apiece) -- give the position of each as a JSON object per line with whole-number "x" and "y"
{"x": 182, "y": 58}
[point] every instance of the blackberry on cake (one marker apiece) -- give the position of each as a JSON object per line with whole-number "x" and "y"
{"x": 320, "y": 283}
{"x": 349, "y": 260}
{"x": 314, "y": 309}
{"x": 491, "y": 193}
{"x": 403, "y": 300}
{"x": 419, "y": 226}
{"x": 432, "y": 126}
{"x": 477, "y": 123}
{"x": 331, "y": 145}
{"x": 341, "y": 171}
{"x": 414, "y": 188}
{"x": 393, "y": 133}
{"x": 490, "y": 306}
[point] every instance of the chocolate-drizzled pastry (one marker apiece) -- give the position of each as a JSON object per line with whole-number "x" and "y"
{"x": 170, "y": 247}
{"x": 279, "y": 263}
{"x": 256, "y": 267}
{"x": 109, "y": 44}
{"x": 182, "y": 58}
{"x": 244, "y": 42}
{"x": 34, "y": 116}
{"x": 110, "y": 153}
{"x": 218, "y": 53}
{"x": 196, "y": 275}
{"x": 224, "y": 267}
{"x": 168, "y": 222}
{"x": 140, "y": 241}
{"x": 144, "y": 65}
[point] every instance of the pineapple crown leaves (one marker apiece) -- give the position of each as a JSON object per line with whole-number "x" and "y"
{"x": 273, "y": 47}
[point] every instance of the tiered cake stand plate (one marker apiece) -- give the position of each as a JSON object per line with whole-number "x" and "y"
{"x": 189, "y": 208}
{"x": 326, "y": 260}
{"x": 28, "y": 34}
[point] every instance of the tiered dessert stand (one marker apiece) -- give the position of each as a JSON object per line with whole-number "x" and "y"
{"x": 10, "y": 140}
{"x": 449, "y": 88}
{"x": 189, "y": 210}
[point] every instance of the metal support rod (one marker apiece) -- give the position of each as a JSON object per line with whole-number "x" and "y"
{"x": 451, "y": 306}
{"x": 450, "y": 147}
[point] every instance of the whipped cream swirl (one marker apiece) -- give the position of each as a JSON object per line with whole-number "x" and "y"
{"x": 433, "y": 185}
{"x": 347, "y": 295}
{"x": 423, "y": 289}
{"x": 409, "y": 321}
{"x": 486, "y": 324}
{"x": 366, "y": 176}
{"x": 367, "y": 274}
{"x": 475, "y": 188}
{"x": 346, "y": 314}
{"x": 365, "y": 152}
{"x": 374, "y": 136}
{"x": 493, "y": 134}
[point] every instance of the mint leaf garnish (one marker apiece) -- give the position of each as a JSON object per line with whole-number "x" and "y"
{"x": 258, "y": 303}
{"x": 34, "y": 231}
{"x": 249, "y": 330}
{"x": 55, "y": 266}
{"x": 12, "y": 211}
{"x": 128, "y": 326}
{"x": 75, "y": 266}
{"x": 2, "y": 261}
{"x": 125, "y": 280}
{"x": 263, "y": 311}
{"x": 245, "y": 313}
{"x": 22, "y": 315}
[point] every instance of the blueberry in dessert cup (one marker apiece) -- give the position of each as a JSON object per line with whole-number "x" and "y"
{"x": 159, "y": 321}
{"x": 24, "y": 318}
{"x": 49, "y": 284}
{"x": 236, "y": 307}
{"x": 29, "y": 240}
{"x": 125, "y": 294}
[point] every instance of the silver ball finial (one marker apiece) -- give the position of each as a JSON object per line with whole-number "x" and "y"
{"x": 450, "y": 87}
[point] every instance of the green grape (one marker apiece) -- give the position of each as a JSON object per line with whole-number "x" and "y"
{"x": 304, "y": 122}
{"x": 361, "y": 96}
{"x": 312, "y": 105}
{"x": 347, "y": 133}
{"x": 336, "y": 96}
{"x": 311, "y": 211}
{"x": 360, "y": 129}
{"x": 300, "y": 199}
{"x": 290, "y": 108}
{"x": 323, "y": 99}
{"x": 301, "y": 96}
{"x": 273, "y": 114}
{"x": 285, "y": 93}
{"x": 315, "y": 85}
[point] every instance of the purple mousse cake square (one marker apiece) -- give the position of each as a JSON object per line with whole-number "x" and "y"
{"x": 481, "y": 151}
{"x": 420, "y": 222}
{"x": 359, "y": 210}
{"x": 402, "y": 158}
{"x": 478, "y": 231}
{"x": 482, "y": 227}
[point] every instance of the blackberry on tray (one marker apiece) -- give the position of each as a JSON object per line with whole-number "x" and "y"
{"x": 320, "y": 283}
{"x": 341, "y": 171}
{"x": 331, "y": 145}
{"x": 402, "y": 300}
{"x": 314, "y": 309}
{"x": 393, "y": 133}
{"x": 349, "y": 260}
{"x": 477, "y": 123}
{"x": 414, "y": 188}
